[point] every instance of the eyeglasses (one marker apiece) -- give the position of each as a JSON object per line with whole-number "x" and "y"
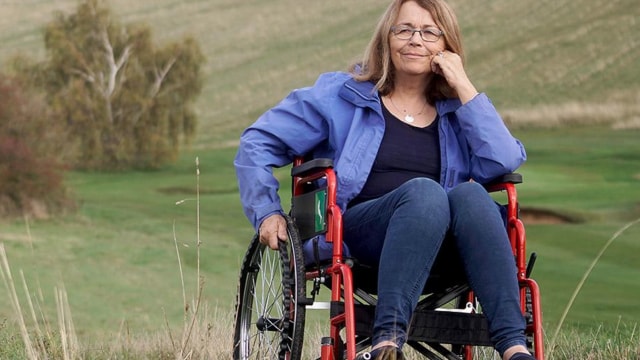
{"x": 404, "y": 32}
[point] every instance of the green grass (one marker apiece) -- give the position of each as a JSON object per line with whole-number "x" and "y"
{"x": 564, "y": 75}
{"x": 592, "y": 174}
{"x": 117, "y": 259}
{"x": 583, "y": 170}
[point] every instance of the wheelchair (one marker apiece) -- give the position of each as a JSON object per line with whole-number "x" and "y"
{"x": 276, "y": 288}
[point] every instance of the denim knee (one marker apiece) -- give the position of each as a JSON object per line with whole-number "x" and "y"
{"x": 470, "y": 199}
{"x": 466, "y": 191}
{"x": 424, "y": 196}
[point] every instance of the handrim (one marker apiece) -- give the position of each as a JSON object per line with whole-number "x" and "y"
{"x": 269, "y": 321}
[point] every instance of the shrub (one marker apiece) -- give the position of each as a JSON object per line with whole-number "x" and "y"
{"x": 31, "y": 176}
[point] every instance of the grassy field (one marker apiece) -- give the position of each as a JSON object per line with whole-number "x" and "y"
{"x": 117, "y": 258}
{"x": 564, "y": 75}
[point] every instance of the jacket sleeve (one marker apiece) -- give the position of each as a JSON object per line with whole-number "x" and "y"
{"x": 291, "y": 128}
{"x": 493, "y": 150}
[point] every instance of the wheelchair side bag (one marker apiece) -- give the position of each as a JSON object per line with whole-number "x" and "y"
{"x": 309, "y": 213}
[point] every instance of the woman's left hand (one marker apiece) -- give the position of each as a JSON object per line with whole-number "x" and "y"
{"x": 449, "y": 65}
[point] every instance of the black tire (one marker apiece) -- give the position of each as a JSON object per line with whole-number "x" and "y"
{"x": 529, "y": 319}
{"x": 269, "y": 320}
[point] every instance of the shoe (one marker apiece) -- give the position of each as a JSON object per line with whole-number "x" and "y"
{"x": 522, "y": 356}
{"x": 382, "y": 353}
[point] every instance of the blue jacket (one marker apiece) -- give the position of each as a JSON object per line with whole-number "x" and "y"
{"x": 341, "y": 119}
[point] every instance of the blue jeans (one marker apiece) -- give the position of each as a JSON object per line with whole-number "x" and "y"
{"x": 401, "y": 233}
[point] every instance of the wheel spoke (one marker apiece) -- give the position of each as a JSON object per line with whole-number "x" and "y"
{"x": 269, "y": 323}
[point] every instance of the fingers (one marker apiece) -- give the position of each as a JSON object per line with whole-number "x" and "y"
{"x": 282, "y": 230}
{"x": 273, "y": 230}
{"x": 269, "y": 237}
{"x": 446, "y": 63}
{"x": 435, "y": 67}
{"x": 449, "y": 65}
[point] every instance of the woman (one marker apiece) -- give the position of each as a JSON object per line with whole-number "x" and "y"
{"x": 411, "y": 140}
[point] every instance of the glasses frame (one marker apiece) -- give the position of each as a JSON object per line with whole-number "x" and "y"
{"x": 395, "y": 30}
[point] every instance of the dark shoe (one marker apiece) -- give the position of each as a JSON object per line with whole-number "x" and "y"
{"x": 522, "y": 356}
{"x": 383, "y": 353}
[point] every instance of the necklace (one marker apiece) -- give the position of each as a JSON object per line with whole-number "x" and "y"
{"x": 408, "y": 118}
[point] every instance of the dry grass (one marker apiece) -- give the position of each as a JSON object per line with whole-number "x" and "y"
{"x": 619, "y": 343}
{"x": 616, "y": 113}
{"x": 206, "y": 335}
{"x": 210, "y": 339}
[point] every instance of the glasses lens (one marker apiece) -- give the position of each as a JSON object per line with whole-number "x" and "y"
{"x": 402, "y": 32}
{"x": 430, "y": 35}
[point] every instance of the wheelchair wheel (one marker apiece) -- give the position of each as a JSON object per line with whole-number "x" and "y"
{"x": 269, "y": 320}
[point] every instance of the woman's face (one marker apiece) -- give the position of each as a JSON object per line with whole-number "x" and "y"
{"x": 413, "y": 56}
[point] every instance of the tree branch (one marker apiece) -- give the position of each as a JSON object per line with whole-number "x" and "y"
{"x": 86, "y": 76}
{"x": 114, "y": 66}
{"x": 160, "y": 76}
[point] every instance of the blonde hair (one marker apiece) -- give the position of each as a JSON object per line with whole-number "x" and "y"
{"x": 376, "y": 65}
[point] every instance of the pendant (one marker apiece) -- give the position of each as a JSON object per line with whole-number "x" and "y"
{"x": 409, "y": 119}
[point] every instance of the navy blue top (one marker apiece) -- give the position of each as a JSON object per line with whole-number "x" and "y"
{"x": 406, "y": 152}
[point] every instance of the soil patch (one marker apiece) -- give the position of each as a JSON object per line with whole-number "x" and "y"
{"x": 544, "y": 216}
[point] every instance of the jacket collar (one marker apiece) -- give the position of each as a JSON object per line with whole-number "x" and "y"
{"x": 359, "y": 93}
{"x": 364, "y": 94}
{"x": 447, "y": 106}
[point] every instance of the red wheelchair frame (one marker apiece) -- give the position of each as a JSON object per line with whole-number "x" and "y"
{"x": 346, "y": 314}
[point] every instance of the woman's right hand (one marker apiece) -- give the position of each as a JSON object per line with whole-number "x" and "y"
{"x": 273, "y": 230}
{"x": 449, "y": 65}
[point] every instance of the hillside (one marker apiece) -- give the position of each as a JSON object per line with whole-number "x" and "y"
{"x": 548, "y": 66}
{"x": 540, "y": 61}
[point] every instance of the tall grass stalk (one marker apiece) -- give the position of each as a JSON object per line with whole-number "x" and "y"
{"x": 39, "y": 334}
{"x": 595, "y": 261}
{"x": 68, "y": 338}
{"x": 41, "y": 347}
{"x": 190, "y": 311}
{"x": 5, "y": 270}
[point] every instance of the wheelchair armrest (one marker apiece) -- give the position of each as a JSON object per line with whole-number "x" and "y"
{"x": 500, "y": 182}
{"x": 513, "y": 178}
{"x": 311, "y": 167}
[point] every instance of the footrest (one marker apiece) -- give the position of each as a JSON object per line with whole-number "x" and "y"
{"x": 430, "y": 326}
{"x": 450, "y": 328}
